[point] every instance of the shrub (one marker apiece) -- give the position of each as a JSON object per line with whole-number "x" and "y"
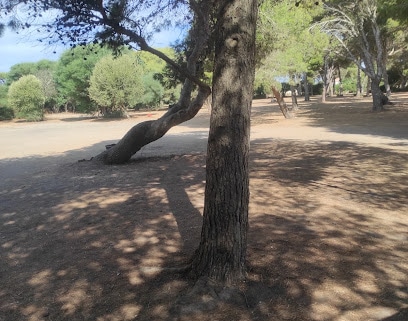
{"x": 153, "y": 93}
{"x": 27, "y": 99}
{"x": 116, "y": 84}
{"x": 6, "y": 113}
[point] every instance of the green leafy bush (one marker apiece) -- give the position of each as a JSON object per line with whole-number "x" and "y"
{"x": 116, "y": 84}
{"x": 153, "y": 93}
{"x": 27, "y": 99}
{"x": 349, "y": 85}
{"x": 72, "y": 75}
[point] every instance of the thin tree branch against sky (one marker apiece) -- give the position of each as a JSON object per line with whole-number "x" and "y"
{"x": 18, "y": 48}
{"x": 24, "y": 47}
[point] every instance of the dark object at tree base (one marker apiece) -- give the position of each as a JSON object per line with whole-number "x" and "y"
{"x": 109, "y": 146}
{"x": 384, "y": 100}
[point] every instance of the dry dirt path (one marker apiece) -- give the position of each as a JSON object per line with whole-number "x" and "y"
{"x": 30, "y": 147}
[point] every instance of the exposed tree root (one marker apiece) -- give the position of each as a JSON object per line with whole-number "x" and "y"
{"x": 206, "y": 296}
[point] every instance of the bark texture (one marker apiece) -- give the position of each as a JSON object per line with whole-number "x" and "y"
{"x": 222, "y": 251}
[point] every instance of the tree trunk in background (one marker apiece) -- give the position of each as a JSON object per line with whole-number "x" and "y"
{"x": 340, "y": 82}
{"x": 359, "y": 88}
{"x": 324, "y": 93}
{"x": 387, "y": 83}
{"x": 330, "y": 85}
{"x": 307, "y": 94}
{"x": 330, "y": 80}
{"x": 293, "y": 96}
{"x": 368, "y": 89}
{"x": 378, "y": 97}
{"x": 287, "y": 113}
{"x": 221, "y": 254}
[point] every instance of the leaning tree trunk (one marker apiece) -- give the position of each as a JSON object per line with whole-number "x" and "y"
{"x": 221, "y": 253}
{"x": 149, "y": 131}
{"x": 185, "y": 109}
{"x": 287, "y": 113}
{"x": 293, "y": 96}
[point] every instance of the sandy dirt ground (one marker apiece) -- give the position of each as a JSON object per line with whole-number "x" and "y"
{"x": 328, "y": 237}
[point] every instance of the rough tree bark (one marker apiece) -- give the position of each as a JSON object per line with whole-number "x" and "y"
{"x": 221, "y": 254}
{"x": 366, "y": 33}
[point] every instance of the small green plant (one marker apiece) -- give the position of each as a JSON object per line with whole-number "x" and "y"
{"x": 27, "y": 99}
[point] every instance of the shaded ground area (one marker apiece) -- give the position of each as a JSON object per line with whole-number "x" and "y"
{"x": 328, "y": 223}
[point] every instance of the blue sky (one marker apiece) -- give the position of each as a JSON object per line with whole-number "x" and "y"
{"x": 18, "y": 48}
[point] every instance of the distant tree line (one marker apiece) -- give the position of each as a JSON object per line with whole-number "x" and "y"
{"x": 348, "y": 46}
{"x": 87, "y": 79}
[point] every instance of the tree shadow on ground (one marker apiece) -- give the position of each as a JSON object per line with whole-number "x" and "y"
{"x": 327, "y": 241}
{"x": 331, "y": 247}
{"x": 346, "y": 116}
{"x": 83, "y": 243}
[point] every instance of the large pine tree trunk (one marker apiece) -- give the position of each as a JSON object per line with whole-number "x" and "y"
{"x": 222, "y": 250}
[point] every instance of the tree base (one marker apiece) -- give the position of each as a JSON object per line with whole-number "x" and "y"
{"x": 205, "y": 296}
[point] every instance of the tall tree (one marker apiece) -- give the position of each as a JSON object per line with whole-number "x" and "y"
{"x": 288, "y": 48}
{"x": 222, "y": 251}
{"x": 230, "y": 25}
{"x": 355, "y": 26}
{"x": 73, "y": 73}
